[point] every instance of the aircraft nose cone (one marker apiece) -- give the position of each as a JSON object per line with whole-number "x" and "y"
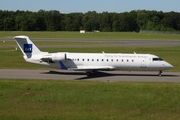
{"x": 171, "y": 66}
{"x": 168, "y": 66}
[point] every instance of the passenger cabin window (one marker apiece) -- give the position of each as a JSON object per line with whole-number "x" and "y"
{"x": 157, "y": 59}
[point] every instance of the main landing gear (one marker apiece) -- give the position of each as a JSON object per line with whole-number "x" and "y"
{"x": 90, "y": 73}
{"x": 160, "y": 73}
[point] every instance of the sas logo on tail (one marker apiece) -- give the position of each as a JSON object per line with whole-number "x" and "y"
{"x": 28, "y": 48}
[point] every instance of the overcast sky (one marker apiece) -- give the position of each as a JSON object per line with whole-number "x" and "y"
{"x": 69, "y": 6}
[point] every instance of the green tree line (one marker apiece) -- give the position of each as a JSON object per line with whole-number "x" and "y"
{"x": 55, "y": 21}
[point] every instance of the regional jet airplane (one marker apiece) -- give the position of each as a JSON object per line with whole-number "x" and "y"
{"x": 91, "y": 62}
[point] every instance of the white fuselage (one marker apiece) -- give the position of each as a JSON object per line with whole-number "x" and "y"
{"x": 103, "y": 61}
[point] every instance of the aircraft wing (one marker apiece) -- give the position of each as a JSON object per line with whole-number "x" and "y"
{"x": 87, "y": 68}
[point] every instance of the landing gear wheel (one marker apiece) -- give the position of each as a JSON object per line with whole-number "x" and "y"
{"x": 160, "y": 73}
{"x": 88, "y": 73}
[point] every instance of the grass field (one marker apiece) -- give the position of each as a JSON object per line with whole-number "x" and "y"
{"x": 47, "y": 100}
{"x": 101, "y": 35}
{"x": 89, "y": 100}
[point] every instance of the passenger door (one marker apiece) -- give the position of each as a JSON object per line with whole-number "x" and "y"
{"x": 143, "y": 63}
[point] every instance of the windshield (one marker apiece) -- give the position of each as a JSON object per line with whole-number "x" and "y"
{"x": 157, "y": 59}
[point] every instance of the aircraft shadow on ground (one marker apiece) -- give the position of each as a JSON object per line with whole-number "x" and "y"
{"x": 100, "y": 74}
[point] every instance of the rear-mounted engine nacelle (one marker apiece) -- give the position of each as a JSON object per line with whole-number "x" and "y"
{"x": 59, "y": 56}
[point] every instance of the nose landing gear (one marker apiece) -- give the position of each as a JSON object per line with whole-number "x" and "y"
{"x": 160, "y": 73}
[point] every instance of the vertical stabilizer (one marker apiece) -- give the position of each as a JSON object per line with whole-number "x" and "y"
{"x": 27, "y": 47}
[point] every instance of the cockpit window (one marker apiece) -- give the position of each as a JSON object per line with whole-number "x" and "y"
{"x": 157, "y": 59}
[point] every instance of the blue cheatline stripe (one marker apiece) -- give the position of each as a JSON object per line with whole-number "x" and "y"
{"x": 62, "y": 65}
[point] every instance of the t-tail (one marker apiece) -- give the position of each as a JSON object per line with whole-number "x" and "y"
{"x": 30, "y": 51}
{"x": 27, "y": 47}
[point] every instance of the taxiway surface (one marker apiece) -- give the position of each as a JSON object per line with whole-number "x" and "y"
{"x": 110, "y": 42}
{"x": 110, "y": 76}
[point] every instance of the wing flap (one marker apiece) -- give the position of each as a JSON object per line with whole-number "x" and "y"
{"x": 86, "y": 68}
